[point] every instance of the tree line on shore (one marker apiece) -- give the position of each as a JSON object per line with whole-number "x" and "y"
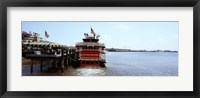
{"x": 129, "y": 50}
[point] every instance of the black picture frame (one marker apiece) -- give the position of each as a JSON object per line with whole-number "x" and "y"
{"x": 100, "y": 3}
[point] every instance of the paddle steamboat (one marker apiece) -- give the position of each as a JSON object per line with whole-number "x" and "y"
{"x": 90, "y": 52}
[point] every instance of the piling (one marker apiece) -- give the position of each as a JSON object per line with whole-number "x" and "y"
{"x": 31, "y": 66}
{"x": 40, "y": 65}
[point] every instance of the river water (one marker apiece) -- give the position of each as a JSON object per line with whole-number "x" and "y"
{"x": 121, "y": 64}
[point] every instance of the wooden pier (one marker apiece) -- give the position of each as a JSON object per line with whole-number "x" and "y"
{"x": 58, "y": 56}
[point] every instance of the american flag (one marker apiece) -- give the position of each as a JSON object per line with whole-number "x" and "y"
{"x": 92, "y": 31}
{"x": 86, "y": 35}
{"x": 46, "y": 34}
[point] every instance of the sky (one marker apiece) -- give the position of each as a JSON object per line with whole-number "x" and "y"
{"x": 127, "y": 35}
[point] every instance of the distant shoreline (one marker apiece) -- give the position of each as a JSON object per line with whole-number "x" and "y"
{"x": 142, "y": 51}
{"x": 129, "y": 50}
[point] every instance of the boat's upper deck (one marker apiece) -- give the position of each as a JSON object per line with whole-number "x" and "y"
{"x": 87, "y": 44}
{"x": 90, "y": 41}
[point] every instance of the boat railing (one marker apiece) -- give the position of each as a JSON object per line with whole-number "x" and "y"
{"x": 100, "y": 50}
{"x": 89, "y": 44}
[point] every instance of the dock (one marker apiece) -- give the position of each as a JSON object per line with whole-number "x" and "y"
{"x": 58, "y": 56}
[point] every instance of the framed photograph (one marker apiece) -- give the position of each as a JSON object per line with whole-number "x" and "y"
{"x": 131, "y": 48}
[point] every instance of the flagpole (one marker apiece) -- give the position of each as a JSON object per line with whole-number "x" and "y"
{"x": 91, "y": 31}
